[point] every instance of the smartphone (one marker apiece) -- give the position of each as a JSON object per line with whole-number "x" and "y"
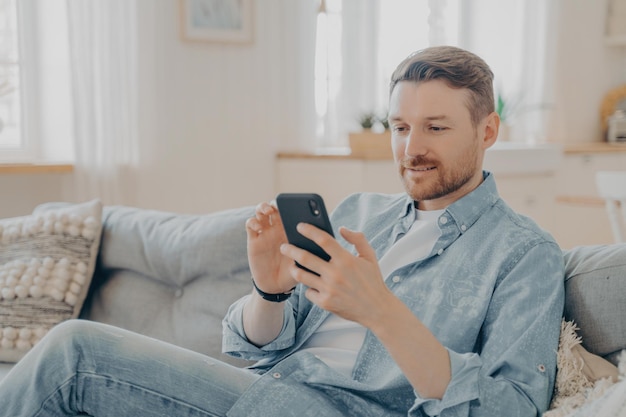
{"x": 297, "y": 208}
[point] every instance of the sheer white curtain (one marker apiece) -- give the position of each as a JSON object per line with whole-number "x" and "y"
{"x": 359, "y": 44}
{"x": 351, "y": 79}
{"x": 366, "y": 39}
{"x": 347, "y": 75}
{"x": 517, "y": 39}
{"x": 103, "y": 53}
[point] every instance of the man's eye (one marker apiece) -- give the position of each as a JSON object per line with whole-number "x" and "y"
{"x": 399, "y": 128}
{"x": 437, "y": 128}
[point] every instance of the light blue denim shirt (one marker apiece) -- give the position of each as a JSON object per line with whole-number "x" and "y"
{"x": 491, "y": 291}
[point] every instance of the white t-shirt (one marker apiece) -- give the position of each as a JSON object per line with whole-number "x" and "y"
{"x": 337, "y": 341}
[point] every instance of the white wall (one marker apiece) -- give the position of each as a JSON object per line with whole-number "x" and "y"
{"x": 586, "y": 69}
{"x": 213, "y": 116}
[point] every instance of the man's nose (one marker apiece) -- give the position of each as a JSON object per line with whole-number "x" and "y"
{"x": 415, "y": 143}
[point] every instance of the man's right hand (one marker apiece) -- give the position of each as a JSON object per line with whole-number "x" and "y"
{"x": 262, "y": 319}
{"x": 270, "y": 269}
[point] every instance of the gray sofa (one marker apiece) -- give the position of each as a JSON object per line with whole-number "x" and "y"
{"x": 170, "y": 276}
{"x": 173, "y": 276}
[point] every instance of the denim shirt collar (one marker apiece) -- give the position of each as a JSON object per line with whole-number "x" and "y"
{"x": 466, "y": 211}
{"x": 458, "y": 216}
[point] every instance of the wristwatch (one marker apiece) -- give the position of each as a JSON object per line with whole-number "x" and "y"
{"x": 275, "y": 298}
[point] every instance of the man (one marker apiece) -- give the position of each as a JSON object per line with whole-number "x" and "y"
{"x": 464, "y": 317}
{"x": 438, "y": 302}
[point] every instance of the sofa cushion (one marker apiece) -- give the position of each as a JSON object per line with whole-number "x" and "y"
{"x": 47, "y": 261}
{"x": 595, "y": 290}
{"x": 171, "y": 276}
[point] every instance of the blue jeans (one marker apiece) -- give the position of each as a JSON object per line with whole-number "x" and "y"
{"x": 88, "y": 368}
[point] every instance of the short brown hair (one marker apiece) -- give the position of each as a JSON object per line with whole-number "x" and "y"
{"x": 456, "y": 67}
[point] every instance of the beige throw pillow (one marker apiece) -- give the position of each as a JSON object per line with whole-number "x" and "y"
{"x": 47, "y": 260}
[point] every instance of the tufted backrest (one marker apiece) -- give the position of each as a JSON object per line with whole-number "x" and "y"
{"x": 170, "y": 276}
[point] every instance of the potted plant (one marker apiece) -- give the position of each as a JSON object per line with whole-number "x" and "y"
{"x": 512, "y": 110}
{"x": 505, "y": 110}
{"x": 374, "y": 139}
{"x": 368, "y": 120}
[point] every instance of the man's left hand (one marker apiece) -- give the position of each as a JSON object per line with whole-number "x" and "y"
{"x": 350, "y": 286}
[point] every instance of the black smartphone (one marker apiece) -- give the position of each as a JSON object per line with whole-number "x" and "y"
{"x": 297, "y": 208}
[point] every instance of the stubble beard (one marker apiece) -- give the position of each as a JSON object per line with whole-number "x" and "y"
{"x": 447, "y": 181}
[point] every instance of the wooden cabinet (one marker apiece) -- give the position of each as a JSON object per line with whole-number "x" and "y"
{"x": 581, "y": 217}
{"x": 336, "y": 178}
{"x": 562, "y": 199}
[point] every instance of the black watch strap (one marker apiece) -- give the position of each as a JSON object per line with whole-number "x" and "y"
{"x": 275, "y": 298}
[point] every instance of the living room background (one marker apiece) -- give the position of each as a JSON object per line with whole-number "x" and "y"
{"x": 359, "y": 44}
{"x": 211, "y": 117}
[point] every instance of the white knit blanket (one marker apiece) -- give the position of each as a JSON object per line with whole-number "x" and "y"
{"x": 577, "y": 392}
{"x": 611, "y": 404}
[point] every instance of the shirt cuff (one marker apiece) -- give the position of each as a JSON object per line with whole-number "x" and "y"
{"x": 463, "y": 386}
{"x": 235, "y": 343}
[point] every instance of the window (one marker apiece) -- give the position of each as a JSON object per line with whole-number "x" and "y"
{"x": 10, "y": 64}
{"x": 35, "y": 99}
{"x": 360, "y": 42}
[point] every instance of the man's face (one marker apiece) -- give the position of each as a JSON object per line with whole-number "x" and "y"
{"x": 438, "y": 151}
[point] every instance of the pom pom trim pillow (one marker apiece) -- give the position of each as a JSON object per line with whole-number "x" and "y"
{"x": 47, "y": 260}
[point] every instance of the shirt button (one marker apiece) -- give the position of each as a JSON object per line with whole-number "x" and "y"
{"x": 541, "y": 368}
{"x": 440, "y": 251}
{"x": 443, "y": 220}
{"x": 463, "y": 227}
{"x": 276, "y": 375}
{"x": 178, "y": 293}
{"x": 396, "y": 279}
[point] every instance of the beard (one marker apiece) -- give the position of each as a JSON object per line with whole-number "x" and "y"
{"x": 444, "y": 182}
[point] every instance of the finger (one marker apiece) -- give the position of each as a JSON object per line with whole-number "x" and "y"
{"x": 266, "y": 214}
{"x": 360, "y": 243}
{"x": 317, "y": 289}
{"x": 313, "y": 283}
{"x": 253, "y": 227}
{"x": 275, "y": 214}
{"x": 262, "y": 210}
{"x": 314, "y": 296}
{"x": 306, "y": 259}
{"x": 305, "y": 278}
{"x": 323, "y": 239}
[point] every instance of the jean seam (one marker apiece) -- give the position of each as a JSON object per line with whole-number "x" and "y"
{"x": 142, "y": 388}
{"x": 52, "y": 394}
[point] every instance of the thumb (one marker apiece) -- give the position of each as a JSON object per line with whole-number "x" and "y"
{"x": 362, "y": 246}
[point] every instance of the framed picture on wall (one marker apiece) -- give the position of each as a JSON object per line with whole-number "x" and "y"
{"x": 216, "y": 20}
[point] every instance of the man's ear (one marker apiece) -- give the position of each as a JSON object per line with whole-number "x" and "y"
{"x": 490, "y": 132}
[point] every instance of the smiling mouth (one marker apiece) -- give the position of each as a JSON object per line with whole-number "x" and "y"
{"x": 420, "y": 169}
{"x": 419, "y": 164}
